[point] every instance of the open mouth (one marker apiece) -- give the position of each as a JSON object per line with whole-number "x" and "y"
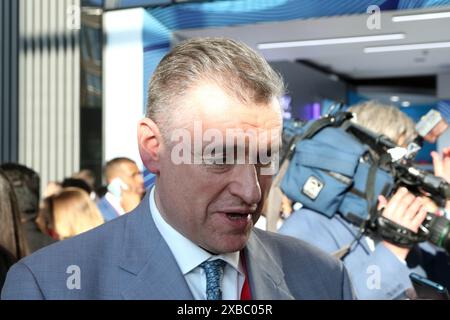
{"x": 239, "y": 216}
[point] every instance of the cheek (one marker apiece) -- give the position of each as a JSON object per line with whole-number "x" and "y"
{"x": 205, "y": 191}
{"x": 208, "y": 186}
{"x": 191, "y": 184}
{"x": 129, "y": 181}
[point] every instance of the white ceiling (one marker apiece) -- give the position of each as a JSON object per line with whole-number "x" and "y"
{"x": 349, "y": 59}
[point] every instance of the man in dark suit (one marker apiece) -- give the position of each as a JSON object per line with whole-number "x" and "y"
{"x": 192, "y": 236}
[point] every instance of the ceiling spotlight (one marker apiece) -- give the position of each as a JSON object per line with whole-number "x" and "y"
{"x": 395, "y": 98}
{"x": 406, "y": 104}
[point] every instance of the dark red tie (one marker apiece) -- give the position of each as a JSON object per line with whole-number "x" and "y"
{"x": 246, "y": 293}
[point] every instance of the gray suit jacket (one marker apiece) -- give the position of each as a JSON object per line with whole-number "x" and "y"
{"x": 127, "y": 258}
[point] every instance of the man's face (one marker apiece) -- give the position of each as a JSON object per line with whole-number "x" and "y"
{"x": 216, "y": 205}
{"x": 130, "y": 174}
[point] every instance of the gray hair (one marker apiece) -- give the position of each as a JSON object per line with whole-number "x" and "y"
{"x": 234, "y": 66}
{"x": 385, "y": 119}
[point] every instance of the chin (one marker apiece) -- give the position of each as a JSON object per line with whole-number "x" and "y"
{"x": 232, "y": 244}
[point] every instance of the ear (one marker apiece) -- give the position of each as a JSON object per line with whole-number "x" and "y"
{"x": 150, "y": 144}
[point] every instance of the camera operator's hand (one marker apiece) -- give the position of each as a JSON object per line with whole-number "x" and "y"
{"x": 406, "y": 210}
{"x": 441, "y": 165}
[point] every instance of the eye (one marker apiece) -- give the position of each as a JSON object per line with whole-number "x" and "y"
{"x": 213, "y": 161}
{"x": 218, "y": 165}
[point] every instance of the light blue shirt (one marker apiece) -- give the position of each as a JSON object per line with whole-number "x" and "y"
{"x": 189, "y": 256}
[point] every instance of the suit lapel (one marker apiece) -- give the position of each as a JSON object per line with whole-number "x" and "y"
{"x": 146, "y": 255}
{"x": 266, "y": 277}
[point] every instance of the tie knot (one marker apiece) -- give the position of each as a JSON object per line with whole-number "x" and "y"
{"x": 213, "y": 266}
{"x": 213, "y": 271}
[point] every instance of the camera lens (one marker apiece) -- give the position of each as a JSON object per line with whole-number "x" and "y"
{"x": 439, "y": 228}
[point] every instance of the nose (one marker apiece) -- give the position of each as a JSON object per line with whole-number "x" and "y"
{"x": 245, "y": 184}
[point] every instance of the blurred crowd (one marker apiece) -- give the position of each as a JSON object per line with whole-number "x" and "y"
{"x": 29, "y": 222}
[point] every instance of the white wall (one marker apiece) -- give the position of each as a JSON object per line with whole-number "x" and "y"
{"x": 122, "y": 82}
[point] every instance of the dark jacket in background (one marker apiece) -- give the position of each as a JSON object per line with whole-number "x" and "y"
{"x": 6, "y": 261}
{"x": 35, "y": 238}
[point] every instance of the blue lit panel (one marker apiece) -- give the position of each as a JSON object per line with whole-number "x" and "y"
{"x": 122, "y": 4}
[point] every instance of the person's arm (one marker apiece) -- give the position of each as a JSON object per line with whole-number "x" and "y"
{"x": 362, "y": 265}
{"x": 311, "y": 227}
{"x": 21, "y": 284}
{"x": 377, "y": 275}
{"x": 441, "y": 166}
{"x": 347, "y": 287}
{"x": 383, "y": 274}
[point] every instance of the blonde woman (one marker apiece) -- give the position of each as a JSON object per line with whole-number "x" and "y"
{"x": 68, "y": 214}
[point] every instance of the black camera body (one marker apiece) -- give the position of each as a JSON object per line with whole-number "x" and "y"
{"x": 435, "y": 229}
{"x": 402, "y": 173}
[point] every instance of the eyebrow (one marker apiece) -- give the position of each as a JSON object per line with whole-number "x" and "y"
{"x": 235, "y": 151}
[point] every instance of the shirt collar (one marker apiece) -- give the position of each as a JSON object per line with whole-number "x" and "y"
{"x": 187, "y": 254}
